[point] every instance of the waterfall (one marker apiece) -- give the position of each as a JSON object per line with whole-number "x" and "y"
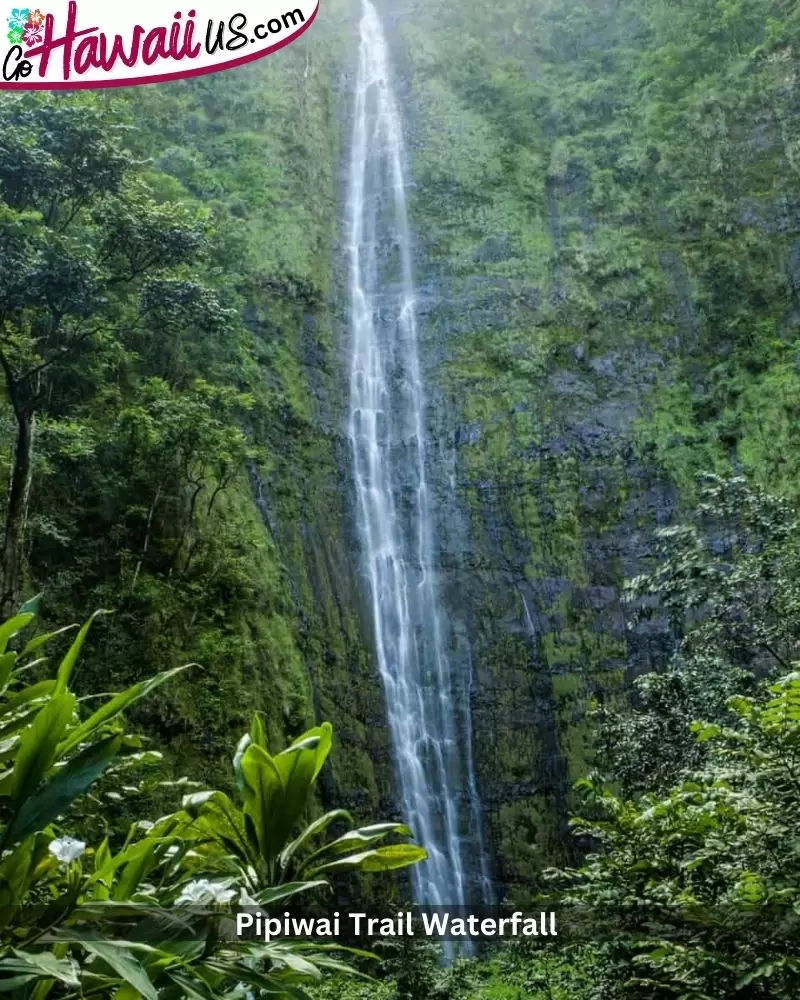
{"x": 427, "y": 706}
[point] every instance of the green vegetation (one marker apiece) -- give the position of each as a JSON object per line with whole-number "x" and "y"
{"x": 689, "y": 887}
{"x": 605, "y": 203}
{"x": 110, "y": 925}
{"x": 732, "y": 574}
{"x": 693, "y": 892}
{"x": 512, "y": 973}
{"x": 162, "y": 418}
{"x": 607, "y": 249}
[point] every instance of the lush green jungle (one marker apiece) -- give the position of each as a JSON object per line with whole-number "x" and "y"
{"x": 605, "y": 205}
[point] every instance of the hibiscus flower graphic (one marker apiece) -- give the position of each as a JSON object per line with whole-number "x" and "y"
{"x": 35, "y": 18}
{"x": 15, "y": 36}
{"x": 32, "y": 34}
{"x": 18, "y": 19}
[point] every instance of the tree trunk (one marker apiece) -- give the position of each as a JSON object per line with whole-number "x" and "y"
{"x": 17, "y": 514}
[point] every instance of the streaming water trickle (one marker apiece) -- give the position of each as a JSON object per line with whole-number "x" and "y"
{"x": 427, "y": 705}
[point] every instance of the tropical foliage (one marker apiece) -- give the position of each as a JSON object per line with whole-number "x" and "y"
{"x": 727, "y": 580}
{"x": 142, "y": 914}
{"x": 606, "y": 222}
{"x": 695, "y": 893}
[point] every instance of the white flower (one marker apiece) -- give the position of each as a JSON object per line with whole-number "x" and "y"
{"x": 204, "y": 891}
{"x": 67, "y": 849}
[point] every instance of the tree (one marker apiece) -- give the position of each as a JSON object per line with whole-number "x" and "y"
{"x": 728, "y": 580}
{"x": 80, "y": 236}
{"x": 693, "y": 893}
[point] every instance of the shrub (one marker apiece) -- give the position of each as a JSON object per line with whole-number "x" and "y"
{"x": 149, "y": 917}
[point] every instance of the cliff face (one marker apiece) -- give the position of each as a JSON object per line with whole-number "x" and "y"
{"x": 269, "y": 604}
{"x": 607, "y": 223}
{"x": 605, "y": 207}
{"x": 606, "y": 220}
{"x": 541, "y": 347}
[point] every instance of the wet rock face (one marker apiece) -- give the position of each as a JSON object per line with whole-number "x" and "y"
{"x": 576, "y": 295}
{"x": 545, "y": 511}
{"x": 584, "y": 276}
{"x": 544, "y": 506}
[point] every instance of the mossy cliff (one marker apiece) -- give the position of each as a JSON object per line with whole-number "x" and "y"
{"x": 268, "y": 144}
{"x": 607, "y": 248}
{"x": 605, "y": 205}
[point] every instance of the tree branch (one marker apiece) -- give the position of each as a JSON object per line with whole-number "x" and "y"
{"x": 145, "y": 546}
{"x": 11, "y": 384}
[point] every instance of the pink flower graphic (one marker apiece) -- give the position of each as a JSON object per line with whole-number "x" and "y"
{"x": 32, "y": 34}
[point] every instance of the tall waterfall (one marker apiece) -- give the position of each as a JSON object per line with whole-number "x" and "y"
{"x": 428, "y": 709}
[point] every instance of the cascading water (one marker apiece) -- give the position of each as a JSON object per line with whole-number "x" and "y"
{"x": 428, "y": 711}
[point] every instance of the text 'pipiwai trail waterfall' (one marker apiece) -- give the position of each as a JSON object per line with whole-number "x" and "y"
{"x": 428, "y": 710}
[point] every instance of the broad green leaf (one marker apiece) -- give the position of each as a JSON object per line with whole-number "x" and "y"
{"x": 129, "y": 854}
{"x": 117, "y": 704}
{"x": 356, "y": 839}
{"x": 42, "y": 689}
{"x": 315, "y": 946}
{"x": 312, "y": 830}
{"x": 297, "y": 963}
{"x": 125, "y": 964}
{"x": 324, "y": 746}
{"x": 102, "y": 856}
{"x": 319, "y": 740}
{"x": 380, "y": 859}
{"x": 11, "y": 627}
{"x": 337, "y": 965}
{"x": 13, "y": 983}
{"x": 7, "y": 661}
{"x": 240, "y": 973}
{"x": 21, "y": 721}
{"x": 220, "y": 819}
{"x": 46, "y": 964}
{"x": 15, "y": 873}
{"x": 127, "y": 992}
{"x": 68, "y": 663}
{"x": 142, "y": 858}
{"x": 38, "y": 745}
{"x": 31, "y": 606}
{"x": 39, "y": 640}
{"x": 192, "y": 987}
{"x": 63, "y": 788}
{"x": 274, "y": 894}
{"x": 364, "y": 836}
{"x": 257, "y": 734}
{"x": 264, "y": 798}
{"x": 99, "y": 883}
{"x": 242, "y": 745}
{"x": 296, "y": 768}
{"x": 193, "y": 801}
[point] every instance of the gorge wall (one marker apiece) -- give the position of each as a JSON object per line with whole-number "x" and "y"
{"x": 608, "y": 274}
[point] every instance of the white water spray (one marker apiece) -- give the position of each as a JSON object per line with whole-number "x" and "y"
{"x": 428, "y": 711}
